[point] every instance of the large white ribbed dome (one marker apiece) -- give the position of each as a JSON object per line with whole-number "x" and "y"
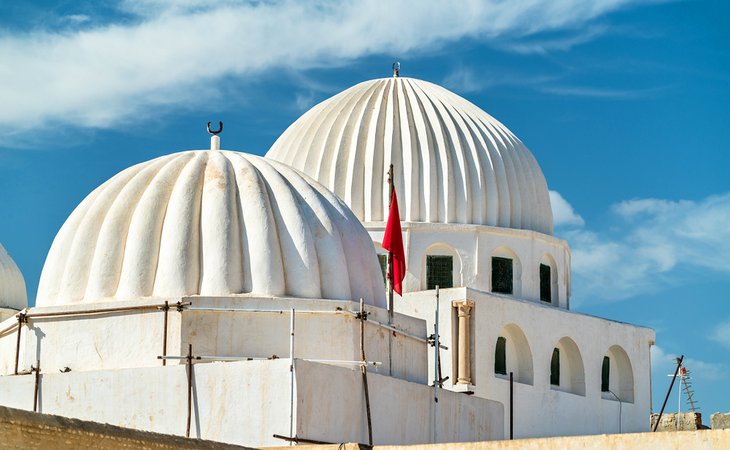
{"x": 210, "y": 223}
{"x": 453, "y": 162}
{"x": 12, "y": 284}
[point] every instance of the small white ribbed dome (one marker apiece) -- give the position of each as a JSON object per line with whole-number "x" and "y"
{"x": 210, "y": 223}
{"x": 12, "y": 284}
{"x": 453, "y": 162}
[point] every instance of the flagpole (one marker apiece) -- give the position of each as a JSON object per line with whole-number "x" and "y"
{"x": 390, "y": 254}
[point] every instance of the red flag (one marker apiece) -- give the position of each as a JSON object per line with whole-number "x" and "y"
{"x": 393, "y": 242}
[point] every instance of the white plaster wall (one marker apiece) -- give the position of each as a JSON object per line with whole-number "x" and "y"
{"x": 92, "y": 342}
{"x": 316, "y": 336}
{"x": 473, "y": 247}
{"x": 248, "y": 402}
{"x": 242, "y": 403}
{"x": 7, "y": 313}
{"x": 8, "y": 339}
{"x": 541, "y": 410}
{"x": 135, "y": 339}
{"x": 406, "y": 418}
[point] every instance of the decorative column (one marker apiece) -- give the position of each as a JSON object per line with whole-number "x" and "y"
{"x": 464, "y": 360}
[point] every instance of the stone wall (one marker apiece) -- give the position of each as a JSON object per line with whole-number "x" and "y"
{"x": 695, "y": 440}
{"x": 687, "y": 422}
{"x": 24, "y": 429}
{"x": 720, "y": 421}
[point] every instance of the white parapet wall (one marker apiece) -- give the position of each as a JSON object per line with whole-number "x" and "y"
{"x": 95, "y": 336}
{"x": 6, "y": 313}
{"x": 577, "y": 405}
{"x": 248, "y": 402}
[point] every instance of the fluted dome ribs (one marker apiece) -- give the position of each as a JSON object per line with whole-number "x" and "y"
{"x": 210, "y": 223}
{"x": 12, "y": 284}
{"x": 453, "y": 163}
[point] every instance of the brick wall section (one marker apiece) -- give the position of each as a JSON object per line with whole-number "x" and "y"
{"x": 29, "y": 430}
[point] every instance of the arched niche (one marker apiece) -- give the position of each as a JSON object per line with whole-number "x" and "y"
{"x": 517, "y": 353}
{"x": 620, "y": 375}
{"x": 572, "y": 372}
{"x": 548, "y": 280}
{"x": 435, "y": 258}
{"x": 498, "y": 257}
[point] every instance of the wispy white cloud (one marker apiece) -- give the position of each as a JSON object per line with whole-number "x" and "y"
{"x": 76, "y": 19}
{"x": 653, "y": 245}
{"x": 721, "y": 333}
{"x": 705, "y": 370}
{"x": 563, "y": 213}
{"x": 165, "y": 54}
{"x": 304, "y": 101}
{"x": 546, "y": 44}
{"x": 600, "y": 92}
{"x": 663, "y": 363}
{"x": 464, "y": 79}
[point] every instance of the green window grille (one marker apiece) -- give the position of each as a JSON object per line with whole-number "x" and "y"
{"x": 500, "y": 356}
{"x": 501, "y": 275}
{"x": 546, "y": 294}
{"x": 555, "y": 368}
{"x": 439, "y": 271}
{"x": 605, "y": 373}
{"x": 383, "y": 259}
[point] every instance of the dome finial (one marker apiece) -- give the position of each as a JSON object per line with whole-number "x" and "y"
{"x": 215, "y": 141}
{"x": 396, "y": 69}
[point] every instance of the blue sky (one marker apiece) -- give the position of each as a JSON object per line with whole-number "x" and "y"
{"x": 623, "y": 103}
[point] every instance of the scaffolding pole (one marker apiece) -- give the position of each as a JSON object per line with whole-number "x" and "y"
{"x": 364, "y": 371}
{"x": 436, "y": 377}
{"x": 291, "y": 377}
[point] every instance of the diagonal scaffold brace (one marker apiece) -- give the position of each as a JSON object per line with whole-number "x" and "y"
{"x": 671, "y": 385}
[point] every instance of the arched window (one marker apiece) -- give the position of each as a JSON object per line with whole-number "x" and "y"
{"x": 546, "y": 292}
{"x": 501, "y": 275}
{"x": 441, "y": 267}
{"x": 513, "y": 354}
{"x": 555, "y": 368}
{"x": 566, "y": 369}
{"x": 439, "y": 271}
{"x": 548, "y": 280}
{"x": 500, "y": 356}
{"x": 617, "y": 375}
{"x": 506, "y": 272}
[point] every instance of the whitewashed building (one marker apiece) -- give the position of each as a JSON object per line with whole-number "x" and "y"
{"x": 221, "y": 295}
{"x": 477, "y": 221}
{"x": 256, "y": 272}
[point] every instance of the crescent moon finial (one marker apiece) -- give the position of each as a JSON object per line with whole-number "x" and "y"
{"x": 215, "y": 132}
